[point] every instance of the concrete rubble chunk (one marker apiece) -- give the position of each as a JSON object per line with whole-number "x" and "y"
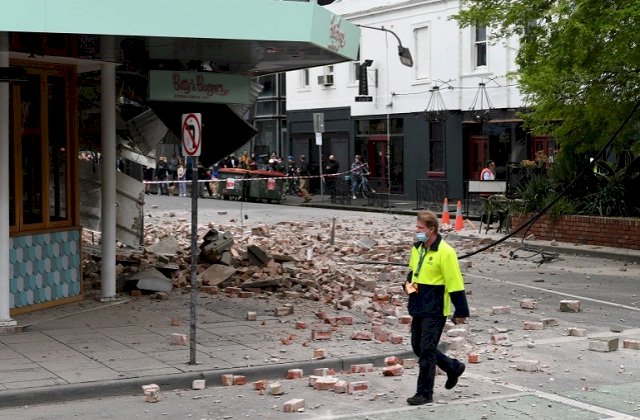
{"x": 569, "y": 305}
{"x": 216, "y": 274}
{"x": 528, "y": 304}
{"x": 168, "y": 245}
{"x": 151, "y": 393}
{"x": 275, "y": 388}
{"x": 604, "y": 344}
{"x": 527, "y": 365}
{"x": 213, "y": 245}
{"x": 576, "y": 332}
{"x": 496, "y": 310}
{"x": 198, "y": 384}
{"x": 395, "y": 370}
{"x": 257, "y": 256}
{"x": 532, "y": 325}
{"x": 549, "y": 322}
{"x": 153, "y": 280}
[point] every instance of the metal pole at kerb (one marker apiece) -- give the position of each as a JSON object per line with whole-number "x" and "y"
{"x": 318, "y": 128}
{"x": 191, "y": 147}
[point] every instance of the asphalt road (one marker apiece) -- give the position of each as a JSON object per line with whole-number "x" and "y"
{"x": 572, "y": 381}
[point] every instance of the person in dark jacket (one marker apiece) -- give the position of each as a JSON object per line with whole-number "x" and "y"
{"x": 331, "y": 169}
{"x": 433, "y": 283}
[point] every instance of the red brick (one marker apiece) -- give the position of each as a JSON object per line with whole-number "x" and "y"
{"x": 362, "y": 368}
{"x": 473, "y": 358}
{"x": 325, "y": 383}
{"x": 227, "y": 380}
{"x": 501, "y": 310}
{"x": 321, "y": 334}
{"x": 405, "y": 319}
{"x": 301, "y": 325}
{"x": 340, "y": 387}
{"x": 179, "y": 339}
{"x": 239, "y": 380}
{"x": 396, "y": 339}
{"x": 532, "y": 325}
{"x": 499, "y": 339}
{"x": 395, "y": 370}
{"x": 319, "y": 353}
{"x": 392, "y": 360}
{"x": 631, "y": 344}
{"x": 568, "y": 305}
{"x": 362, "y": 335}
{"x": 260, "y": 385}
{"x": 357, "y": 386}
{"x": 295, "y": 374}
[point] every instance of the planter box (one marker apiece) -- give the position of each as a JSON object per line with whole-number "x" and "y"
{"x": 617, "y": 232}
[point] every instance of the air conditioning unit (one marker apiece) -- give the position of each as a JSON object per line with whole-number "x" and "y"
{"x": 326, "y": 80}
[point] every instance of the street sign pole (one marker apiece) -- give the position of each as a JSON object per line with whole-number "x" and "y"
{"x": 318, "y": 127}
{"x": 191, "y": 147}
{"x": 194, "y": 260}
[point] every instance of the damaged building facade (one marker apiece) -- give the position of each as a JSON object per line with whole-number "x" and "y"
{"x": 169, "y": 61}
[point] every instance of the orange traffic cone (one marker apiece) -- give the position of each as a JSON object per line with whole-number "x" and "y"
{"x": 459, "y": 221}
{"x": 445, "y": 220}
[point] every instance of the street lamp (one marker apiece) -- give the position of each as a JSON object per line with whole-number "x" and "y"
{"x": 403, "y": 52}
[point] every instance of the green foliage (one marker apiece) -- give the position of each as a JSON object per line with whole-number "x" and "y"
{"x": 579, "y": 65}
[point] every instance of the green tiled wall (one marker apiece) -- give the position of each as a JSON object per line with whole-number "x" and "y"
{"x": 44, "y": 267}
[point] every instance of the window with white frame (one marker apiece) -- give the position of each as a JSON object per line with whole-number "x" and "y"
{"x": 480, "y": 46}
{"x": 423, "y": 52}
{"x": 354, "y": 72}
{"x": 304, "y": 78}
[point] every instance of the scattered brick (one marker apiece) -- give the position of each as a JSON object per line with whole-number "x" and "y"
{"x": 405, "y": 319}
{"x": 293, "y": 406}
{"x": 321, "y": 372}
{"x": 136, "y": 292}
{"x": 473, "y": 358}
{"x": 321, "y": 334}
{"x": 319, "y": 353}
{"x": 346, "y": 320}
{"x": 496, "y": 310}
{"x": 357, "y": 386}
{"x": 252, "y": 316}
{"x": 151, "y": 393}
{"x": 239, "y": 380}
{"x": 392, "y": 360}
{"x": 499, "y": 339}
{"x": 295, "y": 374}
{"x": 395, "y": 370}
{"x": 283, "y": 311}
{"x": 179, "y": 339}
{"x": 175, "y": 322}
{"x": 362, "y": 335}
{"x": 275, "y": 388}
{"x": 549, "y": 322}
{"x": 631, "y": 344}
{"x": 604, "y": 344}
{"x": 532, "y": 325}
{"x": 301, "y": 325}
{"x": 362, "y": 368}
{"x": 198, "y": 384}
{"x": 527, "y": 365}
{"x": 576, "y": 332}
{"x": 325, "y": 383}
{"x": 396, "y": 339}
{"x": 260, "y": 385}
{"x": 227, "y": 379}
{"x": 230, "y": 290}
{"x": 245, "y": 294}
{"x": 569, "y": 305}
{"x": 340, "y": 387}
{"x": 528, "y": 304}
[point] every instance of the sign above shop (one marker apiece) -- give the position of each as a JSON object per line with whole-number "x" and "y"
{"x": 183, "y": 86}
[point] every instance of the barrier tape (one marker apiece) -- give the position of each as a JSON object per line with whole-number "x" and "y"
{"x": 242, "y": 178}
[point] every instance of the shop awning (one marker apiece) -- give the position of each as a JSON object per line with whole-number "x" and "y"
{"x": 249, "y": 37}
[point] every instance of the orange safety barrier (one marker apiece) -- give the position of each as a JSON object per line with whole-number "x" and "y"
{"x": 459, "y": 220}
{"x": 445, "y": 221}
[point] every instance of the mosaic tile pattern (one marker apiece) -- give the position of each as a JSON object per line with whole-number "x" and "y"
{"x": 44, "y": 267}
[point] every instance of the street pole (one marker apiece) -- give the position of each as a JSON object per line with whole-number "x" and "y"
{"x": 321, "y": 178}
{"x": 194, "y": 259}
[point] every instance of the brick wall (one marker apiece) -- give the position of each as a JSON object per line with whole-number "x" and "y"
{"x": 618, "y": 232}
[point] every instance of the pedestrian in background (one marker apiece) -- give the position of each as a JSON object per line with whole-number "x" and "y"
{"x": 182, "y": 180}
{"x": 433, "y": 283}
{"x": 303, "y": 171}
{"x": 331, "y": 169}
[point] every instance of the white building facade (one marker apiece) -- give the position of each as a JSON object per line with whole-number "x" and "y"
{"x": 439, "y": 120}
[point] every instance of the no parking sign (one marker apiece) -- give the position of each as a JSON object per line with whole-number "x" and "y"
{"x": 191, "y": 134}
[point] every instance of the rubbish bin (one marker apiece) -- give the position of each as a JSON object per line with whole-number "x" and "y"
{"x": 267, "y": 185}
{"x": 232, "y": 182}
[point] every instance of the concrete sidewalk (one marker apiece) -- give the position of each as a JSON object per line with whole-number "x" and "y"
{"x": 93, "y": 349}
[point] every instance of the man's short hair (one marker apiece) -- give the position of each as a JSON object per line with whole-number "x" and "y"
{"x": 489, "y": 162}
{"x": 429, "y": 218}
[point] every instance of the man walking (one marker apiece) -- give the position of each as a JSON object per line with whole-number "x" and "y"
{"x": 331, "y": 169}
{"x": 433, "y": 283}
{"x": 303, "y": 170}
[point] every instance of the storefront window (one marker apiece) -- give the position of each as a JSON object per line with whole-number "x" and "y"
{"x": 41, "y": 112}
{"x": 436, "y": 147}
{"x": 57, "y": 149}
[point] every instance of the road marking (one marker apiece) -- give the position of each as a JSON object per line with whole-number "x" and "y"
{"x": 541, "y": 289}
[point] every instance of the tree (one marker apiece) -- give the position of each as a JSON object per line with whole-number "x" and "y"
{"x": 579, "y": 66}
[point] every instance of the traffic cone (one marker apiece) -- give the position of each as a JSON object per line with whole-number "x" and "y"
{"x": 459, "y": 221}
{"x": 445, "y": 220}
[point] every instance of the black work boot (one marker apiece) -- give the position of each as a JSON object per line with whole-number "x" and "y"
{"x": 420, "y": 399}
{"x": 452, "y": 378}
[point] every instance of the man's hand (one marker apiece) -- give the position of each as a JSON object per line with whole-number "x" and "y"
{"x": 459, "y": 320}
